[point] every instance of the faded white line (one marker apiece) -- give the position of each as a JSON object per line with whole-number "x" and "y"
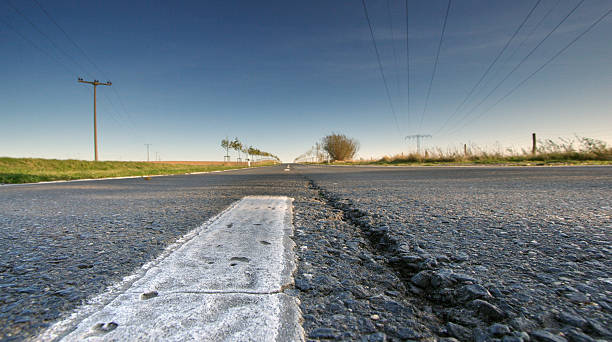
{"x": 223, "y": 281}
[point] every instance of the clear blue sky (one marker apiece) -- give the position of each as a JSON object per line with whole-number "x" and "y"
{"x": 281, "y": 74}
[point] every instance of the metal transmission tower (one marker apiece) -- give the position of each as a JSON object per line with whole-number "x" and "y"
{"x": 95, "y": 84}
{"x": 418, "y": 138}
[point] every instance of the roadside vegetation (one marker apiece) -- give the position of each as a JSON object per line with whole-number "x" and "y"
{"x": 30, "y": 170}
{"x": 578, "y": 150}
{"x": 340, "y": 147}
{"x": 332, "y": 148}
{"x": 251, "y": 153}
{"x": 563, "y": 151}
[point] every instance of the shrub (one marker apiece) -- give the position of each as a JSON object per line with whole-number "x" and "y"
{"x": 340, "y": 147}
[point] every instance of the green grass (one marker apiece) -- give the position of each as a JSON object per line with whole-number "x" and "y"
{"x": 30, "y": 170}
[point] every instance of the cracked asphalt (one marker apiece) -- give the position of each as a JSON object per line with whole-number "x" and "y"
{"x": 62, "y": 243}
{"x": 497, "y": 253}
{"x": 485, "y": 253}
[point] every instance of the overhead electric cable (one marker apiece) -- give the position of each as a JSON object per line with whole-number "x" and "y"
{"x": 521, "y": 62}
{"x": 125, "y": 112}
{"x": 518, "y": 48}
{"x": 36, "y": 46}
{"x": 58, "y": 61}
{"x": 407, "y": 69}
{"x": 397, "y": 76}
{"x": 46, "y": 36}
{"x": 67, "y": 36}
{"x": 433, "y": 74}
{"x": 533, "y": 30}
{"x": 542, "y": 66}
{"x": 499, "y": 54}
{"x": 115, "y": 116}
{"x": 380, "y": 66}
{"x": 119, "y": 115}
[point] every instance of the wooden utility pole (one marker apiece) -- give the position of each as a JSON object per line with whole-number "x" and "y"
{"x": 148, "y": 145}
{"x": 95, "y": 84}
{"x": 533, "y": 144}
{"x": 465, "y": 150}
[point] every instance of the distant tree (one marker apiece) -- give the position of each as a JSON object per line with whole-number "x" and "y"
{"x": 236, "y": 145}
{"x": 246, "y": 150}
{"x": 225, "y": 144}
{"x": 340, "y": 147}
{"x": 252, "y": 151}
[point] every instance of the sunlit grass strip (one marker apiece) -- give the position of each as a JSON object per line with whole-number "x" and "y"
{"x": 491, "y": 159}
{"x": 570, "y": 158}
{"x": 579, "y": 150}
{"x": 30, "y": 170}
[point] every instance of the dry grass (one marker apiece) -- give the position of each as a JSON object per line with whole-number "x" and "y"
{"x": 562, "y": 151}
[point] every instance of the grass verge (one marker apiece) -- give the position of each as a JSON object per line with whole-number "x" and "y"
{"x": 555, "y": 158}
{"x": 509, "y": 161}
{"x": 577, "y": 151}
{"x": 31, "y": 170}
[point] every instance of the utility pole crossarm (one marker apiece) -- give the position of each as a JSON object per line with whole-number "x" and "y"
{"x": 95, "y": 82}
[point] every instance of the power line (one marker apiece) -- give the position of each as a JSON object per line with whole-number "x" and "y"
{"x": 397, "y": 76}
{"x": 36, "y": 46}
{"x": 380, "y": 66}
{"x": 543, "y": 65}
{"x": 45, "y": 35}
{"x": 533, "y": 30}
{"x": 501, "y": 52}
{"x": 120, "y": 116}
{"x": 68, "y": 37}
{"x": 125, "y": 112}
{"x": 521, "y": 62}
{"x": 407, "y": 68}
{"x": 62, "y": 50}
{"x": 435, "y": 63}
{"x": 518, "y": 48}
{"x": 116, "y": 117}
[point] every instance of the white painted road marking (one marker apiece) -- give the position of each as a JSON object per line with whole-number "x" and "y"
{"x": 224, "y": 283}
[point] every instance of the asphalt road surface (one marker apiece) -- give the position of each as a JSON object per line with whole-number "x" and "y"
{"x": 471, "y": 253}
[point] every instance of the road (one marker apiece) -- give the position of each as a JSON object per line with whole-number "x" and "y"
{"x": 383, "y": 253}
